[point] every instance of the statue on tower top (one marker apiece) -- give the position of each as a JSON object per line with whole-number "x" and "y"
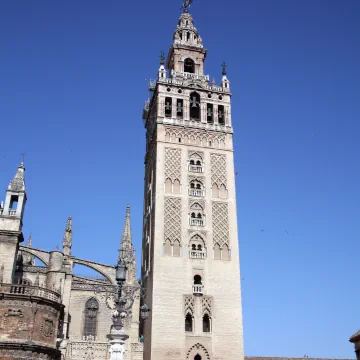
{"x": 186, "y": 5}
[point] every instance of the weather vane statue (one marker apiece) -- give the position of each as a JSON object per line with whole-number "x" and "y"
{"x": 186, "y": 5}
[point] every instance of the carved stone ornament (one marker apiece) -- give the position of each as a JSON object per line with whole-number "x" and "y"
{"x": 47, "y": 327}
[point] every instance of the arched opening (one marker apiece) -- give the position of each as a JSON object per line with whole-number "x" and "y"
{"x": 91, "y": 313}
{"x": 199, "y": 216}
{"x": 198, "y": 186}
{"x": 197, "y": 280}
{"x": 197, "y": 357}
{"x": 193, "y": 247}
{"x": 176, "y": 248}
{"x": 225, "y": 253}
{"x": 199, "y": 247}
{"x": 192, "y": 162}
{"x": 177, "y": 186}
{"x": 168, "y": 107}
{"x": 198, "y": 163}
{"x": 223, "y": 192}
{"x": 188, "y": 323}
{"x": 168, "y": 186}
{"x": 167, "y": 248}
{"x": 195, "y": 106}
{"x": 210, "y": 114}
{"x": 189, "y": 64}
{"x": 206, "y": 323}
{"x": 217, "y": 252}
{"x": 221, "y": 115}
{"x": 215, "y": 191}
{"x": 188, "y": 35}
{"x": 193, "y": 215}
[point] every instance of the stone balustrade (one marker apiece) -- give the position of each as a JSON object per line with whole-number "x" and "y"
{"x": 30, "y": 290}
{"x": 196, "y": 222}
{"x": 195, "y": 168}
{"x": 196, "y": 192}
{"x": 198, "y": 289}
{"x": 197, "y": 254}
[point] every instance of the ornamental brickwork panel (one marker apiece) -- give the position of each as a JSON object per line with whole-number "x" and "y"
{"x": 172, "y": 219}
{"x": 220, "y": 223}
{"x": 206, "y": 305}
{"x": 189, "y": 305}
{"x": 173, "y": 164}
{"x": 218, "y": 169}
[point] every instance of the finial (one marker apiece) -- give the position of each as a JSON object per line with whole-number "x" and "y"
{"x": 186, "y": 5}
{"x": 162, "y": 58}
{"x": 213, "y": 82}
{"x": 224, "y": 66}
{"x": 23, "y": 158}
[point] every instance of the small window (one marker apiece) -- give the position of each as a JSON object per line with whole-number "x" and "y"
{"x": 192, "y": 162}
{"x": 168, "y": 107}
{"x": 206, "y": 323}
{"x": 197, "y": 280}
{"x": 188, "y": 323}
{"x": 188, "y": 36}
{"x": 189, "y": 66}
{"x": 199, "y": 247}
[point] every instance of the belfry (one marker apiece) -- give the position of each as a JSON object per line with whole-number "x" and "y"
{"x": 190, "y": 258}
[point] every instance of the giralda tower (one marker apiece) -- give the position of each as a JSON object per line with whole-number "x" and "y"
{"x": 190, "y": 254}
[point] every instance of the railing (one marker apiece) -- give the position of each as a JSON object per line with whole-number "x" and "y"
{"x": 196, "y": 222}
{"x": 195, "y": 168}
{"x": 12, "y": 212}
{"x": 30, "y": 290}
{"x": 196, "y": 192}
{"x": 198, "y": 289}
{"x": 197, "y": 254}
{"x": 187, "y": 75}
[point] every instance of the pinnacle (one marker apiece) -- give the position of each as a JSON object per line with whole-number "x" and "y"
{"x": 18, "y": 182}
{"x": 127, "y": 236}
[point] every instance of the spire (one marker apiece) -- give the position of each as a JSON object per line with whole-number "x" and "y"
{"x": 126, "y": 248}
{"x": 67, "y": 240}
{"x": 186, "y": 34}
{"x": 18, "y": 182}
{"x": 126, "y": 240}
{"x": 29, "y": 241}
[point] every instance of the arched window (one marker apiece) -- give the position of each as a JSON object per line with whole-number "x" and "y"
{"x": 192, "y": 185}
{"x": 199, "y": 247}
{"x": 195, "y": 106}
{"x": 206, "y": 323}
{"x": 198, "y": 163}
{"x": 193, "y": 215}
{"x": 188, "y": 323}
{"x": 198, "y": 186}
{"x": 199, "y": 216}
{"x": 197, "y": 357}
{"x": 193, "y": 247}
{"x": 91, "y": 313}
{"x": 189, "y": 65}
{"x": 221, "y": 115}
{"x": 168, "y": 185}
{"x": 192, "y": 162}
{"x": 168, "y": 107}
{"x": 197, "y": 280}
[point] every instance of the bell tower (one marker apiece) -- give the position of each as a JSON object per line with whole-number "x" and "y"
{"x": 190, "y": 254}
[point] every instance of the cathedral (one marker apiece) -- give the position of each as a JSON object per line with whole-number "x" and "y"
{"x": 189, "y": 240}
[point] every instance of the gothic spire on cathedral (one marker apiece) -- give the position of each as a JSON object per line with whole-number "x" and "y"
{"x": 126, "y": 247}
{"x": 67, "y": 239}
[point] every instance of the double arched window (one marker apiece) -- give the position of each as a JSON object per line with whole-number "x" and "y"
{"x": 91, "y": 315}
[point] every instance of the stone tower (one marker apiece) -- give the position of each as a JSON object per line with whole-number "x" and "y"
{"x": 11, "y": 217}
{"x": 190, "y": 258}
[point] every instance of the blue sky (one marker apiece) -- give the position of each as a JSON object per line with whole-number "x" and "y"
{"x": 73, "y": 82}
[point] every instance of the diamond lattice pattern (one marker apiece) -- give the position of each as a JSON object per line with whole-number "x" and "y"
{"x": 173, "y": 164}
{"x": 220, "y": 220}
{"x": 218, "y": 169}
{"x": 172, "y": 219}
